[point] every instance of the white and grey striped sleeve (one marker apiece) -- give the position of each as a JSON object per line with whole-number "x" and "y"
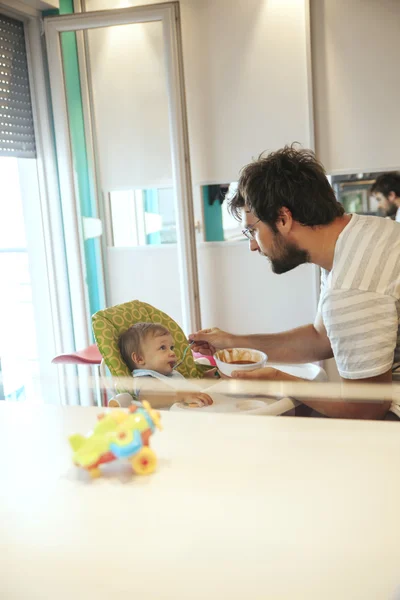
{"x": 362, "y": 328}
{"x": 321, "y": 291}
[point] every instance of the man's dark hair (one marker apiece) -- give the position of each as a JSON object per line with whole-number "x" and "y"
{"x": 130, "y": 341}
{"x": 386, "y": 183}
{"x": 291, "y": 178}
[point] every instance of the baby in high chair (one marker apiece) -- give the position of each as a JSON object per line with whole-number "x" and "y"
{"x": 148, "y": 351}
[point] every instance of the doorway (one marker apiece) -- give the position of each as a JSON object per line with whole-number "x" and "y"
{"x": 134, "y": 113}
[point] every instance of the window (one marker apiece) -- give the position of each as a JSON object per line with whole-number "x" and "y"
{"x": 141, "y": 217}
{"x": 18, "y": 343}
{"x": 19, "y": 196}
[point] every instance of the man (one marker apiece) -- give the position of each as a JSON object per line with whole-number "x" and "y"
{"x": 291, "y": 216}
{"x": 386, "y": 190}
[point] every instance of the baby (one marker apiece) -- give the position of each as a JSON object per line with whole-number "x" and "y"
{"x": 148, "y": 351}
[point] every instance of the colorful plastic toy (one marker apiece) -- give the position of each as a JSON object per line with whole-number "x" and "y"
{"x": 119, "y": 434}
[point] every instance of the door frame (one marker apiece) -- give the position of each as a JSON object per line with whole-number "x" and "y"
{"x": 169, "y": 15}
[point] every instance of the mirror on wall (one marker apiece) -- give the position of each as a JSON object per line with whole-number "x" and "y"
{"x": 219, "y": 224}
{"x": 354, "y": 192}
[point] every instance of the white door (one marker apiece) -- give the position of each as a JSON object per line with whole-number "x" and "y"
{"x": 131, "y": 78}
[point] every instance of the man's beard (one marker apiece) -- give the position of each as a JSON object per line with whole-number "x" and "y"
{"x": 287, "y": 256}
{"x": 391, "y": 211}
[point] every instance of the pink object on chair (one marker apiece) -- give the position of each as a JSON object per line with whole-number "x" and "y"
{"x": 87, "y": 356}
{"x": 210, "y": 359}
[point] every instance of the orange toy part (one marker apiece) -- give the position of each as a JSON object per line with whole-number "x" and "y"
{"x": 105, "y": 458}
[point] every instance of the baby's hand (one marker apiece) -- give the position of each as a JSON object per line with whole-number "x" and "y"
{"x": 211, "y": 373}
{"x": 194, "y": 399}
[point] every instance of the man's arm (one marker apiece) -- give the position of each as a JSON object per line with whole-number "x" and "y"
{"x": 309, "y": 343}
{"x": 303, "y": 344}
{"x": 354, "y": 410}
{"x": 327, "y": 407}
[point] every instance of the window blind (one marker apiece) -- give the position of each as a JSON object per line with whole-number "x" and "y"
{"x": 17, "y": 137}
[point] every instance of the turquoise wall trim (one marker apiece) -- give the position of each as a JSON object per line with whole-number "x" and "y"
{"x": 151, "y": 206}
{"x": 213, "y": 229}
{"x": 84, "y": 177}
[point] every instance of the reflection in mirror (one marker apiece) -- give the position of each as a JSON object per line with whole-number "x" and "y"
{"x": 354, "y": 192}
{"x": 219, "y": 224}
{"x": 142, "y": 217}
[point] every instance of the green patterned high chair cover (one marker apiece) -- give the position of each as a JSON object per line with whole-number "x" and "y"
{"x": 109, "y": 323}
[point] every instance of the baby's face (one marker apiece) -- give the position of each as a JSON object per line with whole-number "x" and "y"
{"x": 158, "y": 354}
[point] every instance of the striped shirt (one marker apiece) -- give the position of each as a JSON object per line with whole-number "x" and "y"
{"x": 360, "y": 298}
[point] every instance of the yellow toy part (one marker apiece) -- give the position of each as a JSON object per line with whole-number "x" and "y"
{"x": 144, "y": 462}
{"x": 154, "y": 414}
{"x": 109, "y": 421}
{"x": 76, "y": 441}
{"x": 137, "y": 421}
{"x": 91, "y": 450}
{"x": 94, "y": 473}
{"x": 124, "y": 437}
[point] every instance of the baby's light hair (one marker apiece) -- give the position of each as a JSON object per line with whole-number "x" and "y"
{"x": 130, "y": 341}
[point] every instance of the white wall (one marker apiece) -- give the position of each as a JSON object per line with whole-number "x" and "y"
{"x": 147, "y": 273}
{"x": 355, "y": 50}
{"x": 130, "y": 106}
{"x": 240, "y": 293}
{"x": 246, "y": 80}
{"x": 238, "y": 290}
{"x": 246, "y": 83}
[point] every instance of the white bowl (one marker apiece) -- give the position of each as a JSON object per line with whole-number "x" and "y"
{"x": 225, "y": 360}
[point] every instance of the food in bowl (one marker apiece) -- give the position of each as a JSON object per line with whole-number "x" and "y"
{"x": 239, "y": 359}
{"x": 242, "y": 362}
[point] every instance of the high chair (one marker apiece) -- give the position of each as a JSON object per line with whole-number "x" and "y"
{"x": 109, "y": 323}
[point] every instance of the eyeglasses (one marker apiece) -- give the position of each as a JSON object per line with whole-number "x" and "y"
{"x": 249, "y": 231}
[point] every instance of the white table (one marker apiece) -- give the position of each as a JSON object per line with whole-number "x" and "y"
{"x": 241, "y": 507}
{"x": 267, "y": 405}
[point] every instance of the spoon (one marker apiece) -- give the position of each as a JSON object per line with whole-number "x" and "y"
{"x": 178, "y": 364}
